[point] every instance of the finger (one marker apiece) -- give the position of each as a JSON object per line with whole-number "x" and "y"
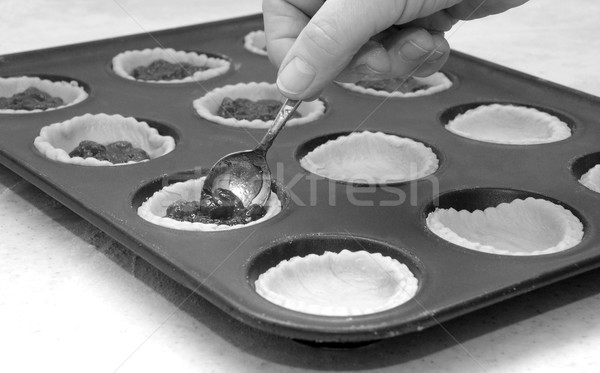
{"x": 335, "y": 33}
{"x": 436, "y": 59}
{"x": 415, "y": 9}
{"x": 372, "y": 60}
{"x": 441, "y": 21}
{"x": 308, "y": 7}
{"x": 406, "y": 52}
{"x": 284, "y": 20}
{"x": 472, "y": 9}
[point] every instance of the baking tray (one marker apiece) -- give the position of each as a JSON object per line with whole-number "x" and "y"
{"x": 318, "y": 214}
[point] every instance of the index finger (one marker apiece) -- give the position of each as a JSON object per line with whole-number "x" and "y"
{"x": 284, "y": 20}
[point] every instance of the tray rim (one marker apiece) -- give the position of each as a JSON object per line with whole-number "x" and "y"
{"x": 98, "y": 220}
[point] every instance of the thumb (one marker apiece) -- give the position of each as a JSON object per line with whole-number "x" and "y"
{"x": 334, "y": 34}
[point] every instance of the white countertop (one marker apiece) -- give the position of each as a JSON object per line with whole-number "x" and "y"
{"x": 73, "y": 300}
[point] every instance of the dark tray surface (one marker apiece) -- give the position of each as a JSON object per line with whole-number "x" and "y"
{"x": 221, "y": 266}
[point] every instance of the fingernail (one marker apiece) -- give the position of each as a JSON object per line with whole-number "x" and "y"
{"x": 296, "y": 76}
{"x": 412, "y": 51}
{"x": 364, "y": 69}
{"x": 436, "y": 54}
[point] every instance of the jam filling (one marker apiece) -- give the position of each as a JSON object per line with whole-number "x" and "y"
{"x": 221, "y": 207}
{"x": 243, "y": 108}
{"x": 116, "y": 152}
{"x": 163, "y": 70}
{"x": 30, "y": 99}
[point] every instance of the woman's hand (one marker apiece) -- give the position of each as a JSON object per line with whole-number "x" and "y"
{"x": 314, "y": 42}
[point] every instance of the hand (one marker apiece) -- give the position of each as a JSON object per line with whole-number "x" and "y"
{"x": 314, "y": 42}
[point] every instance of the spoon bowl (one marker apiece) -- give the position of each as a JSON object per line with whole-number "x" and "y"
{"x": 246, "y": 174}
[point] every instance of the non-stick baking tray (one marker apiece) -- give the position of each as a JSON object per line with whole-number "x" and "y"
{"x": 318, "y": 214}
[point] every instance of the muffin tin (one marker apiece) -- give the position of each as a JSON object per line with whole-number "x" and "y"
{"x": 318, "y": 214}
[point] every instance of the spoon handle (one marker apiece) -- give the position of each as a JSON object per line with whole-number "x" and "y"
{"x": 287, "y": 110}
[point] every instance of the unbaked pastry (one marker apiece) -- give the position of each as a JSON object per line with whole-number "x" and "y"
{"x": 509, "y": 124}
{"x": 434, "y": 83}
{"x": 125, "y": 63}
{"x": 256, "y": 42}
{"x": 591, "y": 179}
{"x": 57, "y": 140}
{"x": 154, "y": 209}
{"x": 338, "y": 284}
{"x": 371, "y": 158}
{"x": 69, "y": 92}
{"x": 522, "y": 227}
{"x": 208, "y": 105}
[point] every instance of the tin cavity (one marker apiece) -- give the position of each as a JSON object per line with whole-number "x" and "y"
{"x": 57, "y": 140}
{"x": 152, "y": 200}
{"x": 504, "y": 221}
{"x": 334, "y": 275}
{"x": 506, "y": 123}
{"x": 69, "y": 90}
{"x": 256, "y": 42}
{"x": 368, "y": 158}
{"x": 587, "y": 171}
{"x": 404, "y": 87}
{"x": 209, "y": 105}
{"x": 124, "y": 64}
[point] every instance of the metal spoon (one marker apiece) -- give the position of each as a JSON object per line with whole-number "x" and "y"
{"x": 246, "y": 174}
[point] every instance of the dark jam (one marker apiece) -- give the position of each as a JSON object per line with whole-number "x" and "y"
{"x": 163, "y": 70}
{"x": 404, "y": 85}
{"x": 116, "y": 152}
{"x": 30, "y": 99}
{"x": 243, "y": 108}
{"x": 222, "y": 207}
